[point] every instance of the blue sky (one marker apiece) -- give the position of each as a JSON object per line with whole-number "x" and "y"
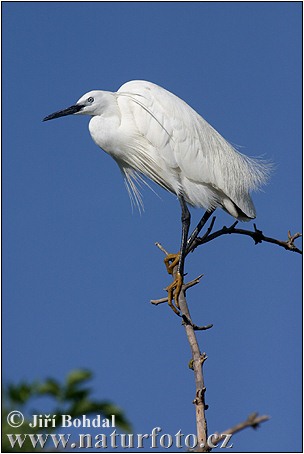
{"x": 79, "y": 268}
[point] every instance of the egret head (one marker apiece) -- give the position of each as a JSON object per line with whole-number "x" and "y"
{"x": 92, "y": 103}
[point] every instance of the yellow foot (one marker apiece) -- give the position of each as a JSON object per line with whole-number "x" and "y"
{"x": 171, "y": 261}
{"x": 174, "y": 290}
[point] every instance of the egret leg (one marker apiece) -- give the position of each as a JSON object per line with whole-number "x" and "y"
{"x": 173, "y": 260}
{"x": 198, "y": 228}
{"x": 186, "y": 218}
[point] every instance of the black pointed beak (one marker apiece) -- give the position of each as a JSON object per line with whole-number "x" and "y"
{"x": 62, "y": 113}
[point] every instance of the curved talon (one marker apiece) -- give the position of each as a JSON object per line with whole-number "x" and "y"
{"x": 171, "y": 261}
{"x": 174, "y": 290}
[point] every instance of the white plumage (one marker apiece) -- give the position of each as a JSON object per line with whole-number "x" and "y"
{"x": 151, "y": 132}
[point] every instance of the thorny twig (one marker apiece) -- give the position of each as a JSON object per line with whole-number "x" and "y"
{"x": 257, "y": 235}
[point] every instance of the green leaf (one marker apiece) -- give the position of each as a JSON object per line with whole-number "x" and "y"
{"x": 77, "y": 376}
{"x": 50, "y": 386}
{"x": 76, "y": 394}
{"x": 108, "y": 409}
{"x": 19, "y": 394}
{"x": 70, "y": 397}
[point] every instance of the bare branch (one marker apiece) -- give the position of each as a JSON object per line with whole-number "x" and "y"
{"x": 257, "y": 236}
{"x": 205, "y": 443}
{"x": 253, "y": 421}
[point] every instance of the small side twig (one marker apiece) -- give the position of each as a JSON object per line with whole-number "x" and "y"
{"x": 193, "y": 282}
{"x": 186, "y": 286}
{"x": 157, "y": 244}
{"x": 159, "y": 301}
{"x": 253, "y": 421}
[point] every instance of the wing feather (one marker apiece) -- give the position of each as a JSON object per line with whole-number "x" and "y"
{"x": 178, "y": 149}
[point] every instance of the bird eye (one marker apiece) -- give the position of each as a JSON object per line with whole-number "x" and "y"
{"x": 90, "y": 99}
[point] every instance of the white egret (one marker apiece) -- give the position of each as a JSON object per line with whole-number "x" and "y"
{"x": 151, "y": 132}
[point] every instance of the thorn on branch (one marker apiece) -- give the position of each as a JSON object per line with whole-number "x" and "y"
{"x": 203, "y": 358}
{"x": 202, "y": 328}
{"x": 200, "y": 397}
{"x": 258, "y": 237}
{"x": 253, "y": 421}
{"x": 187, "y": 321}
